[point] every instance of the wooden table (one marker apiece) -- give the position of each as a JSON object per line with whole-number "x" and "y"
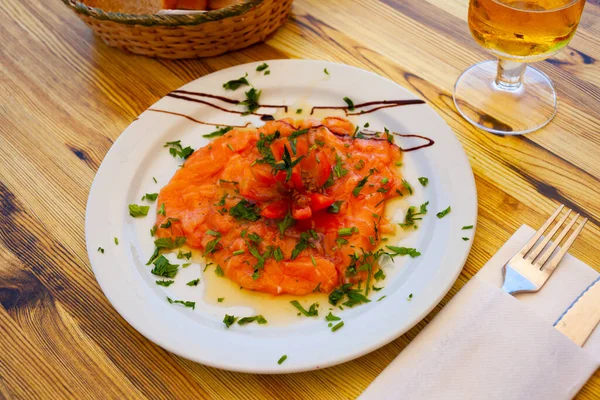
{"x": 65, "y": 97}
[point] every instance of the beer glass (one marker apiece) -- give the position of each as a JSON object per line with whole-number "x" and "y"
{"x": 507, "y": 96}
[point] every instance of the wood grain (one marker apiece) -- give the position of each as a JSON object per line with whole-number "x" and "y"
{"x": 66, "y": 97}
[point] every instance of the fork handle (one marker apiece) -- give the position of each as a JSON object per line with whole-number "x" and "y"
{"x": 580, "y": 319}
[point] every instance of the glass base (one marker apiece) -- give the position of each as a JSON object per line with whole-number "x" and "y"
{"x": 504, "y": 111}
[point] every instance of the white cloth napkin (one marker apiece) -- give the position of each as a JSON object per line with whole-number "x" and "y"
{"x": 486, "y": 344}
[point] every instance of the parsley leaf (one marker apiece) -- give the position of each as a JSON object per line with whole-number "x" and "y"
{"x": 236, "y": 83}
{"x": 177, "y": 150}
{"x": 189, "y": 304}
{"x": 286, "y": 164}
{"x": 138, "y": 211}
{"x": 330, "y": 317}
{"x": 350, "y": 104}
{"x": 101, "y": 250}
{"x": 181, "y": 255}
{"x": 219, "y": 271}
{"x": 467, "y": 227}
{"x": 251, "y": 101}
{"x": 379, "y": 275}
{"x": 218, "y": 132}
{"x": 412, "y": 215}
{"x": 162, "y": 267}
{"x": 286, "y": 223}
{"x": 282, "y": 359}
{"x": 244, "y": 210}
{"x": 465, "y": 238}
{"x": 403, "y": 251}
{"x": 165, "y": 283}
{"x": 212, "y": 246}
{"x": 161, "y": 210}
{"x": 194, "y": 282}
{"x": 335, "y": 207}
{"x": 311, "y": 312}
{"x": 278, "y": 254}
{"x": 169, "y": 243}
{"x": 361, "y": 184}
{"x": 423, "y": 181}
{"x": 262, "y": 67}
{"x": 150, "y": 196}
{"x": 443, "y": 213}
{"x": 326, "y": 72}
{"x": 258, "y": 318}
{"x": 229, "y": 320}
{"x": 338, "y": 169}
{"x": 264, "y": 148}
{"x": 116, "y": 240}
{"x": 407, "y": 186}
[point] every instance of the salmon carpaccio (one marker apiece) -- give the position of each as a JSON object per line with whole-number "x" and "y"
{"x": 290, "y": 207}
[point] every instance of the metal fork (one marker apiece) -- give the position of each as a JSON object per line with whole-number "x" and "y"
{"x": 527, "y": 271}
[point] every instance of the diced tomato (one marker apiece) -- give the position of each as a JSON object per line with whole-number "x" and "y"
{"x": 301, "y": 212}
{"x": 297, "y": 180}
{"x": 319, "y": 202}
{"x": 277, "y": 209}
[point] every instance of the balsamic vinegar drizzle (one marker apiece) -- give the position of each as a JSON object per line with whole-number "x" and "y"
{"x": 369, "y": 135}
{"x": 198, "y": 121}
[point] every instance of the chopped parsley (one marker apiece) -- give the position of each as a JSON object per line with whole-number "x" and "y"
{"x": 379, "y": 275}
{"x": 165, "y": 283}
{"x": 311, "y": 312}
{"x": 350, "y": 104}
{"x": 138, "y": 211}
{"x": 335, "y": 207}
{"x": 177, "y": 150}
{"x": 330, "y": 317}
{"x": 188, "y": 304}
{"x": 153, "y": 230}
{"x": 303, "y": 243}
{"x": 161, "y": 210}
{"x": 423, "y": 181}
{"x": 257, "y": 318}
{"x": 169, "y": 222}
{"x": 381, "y": 298}
{"x": 412, "y": 215}
{"x": 169, "y": 243}
{"x": 236, "y": 83}
{"x": 354, "y": 296}
{"x": 465, "y": 238}
{"x": 359, "y": 165}
{"x": 264, "y": 148}
{"x": 298, "y": 133}
{"x": 116, "y": 240}
{"x": 443, "y": 213}
{"x": 467, "y": 227}
{"x": 409, "y": 298}
{"x": 238, "y": 252}
{"x": 185, "y": 265}
{"x": 361, "y": 184}
{"x": 283, "y": 357}
{"x": 162, "y": 267}
{"x": 337, "y": 326}
{"x": 326, "y": 72}
{"x": 403, "y": 251}
{"x": 154, "y": 179}
{"x": 251, "y": 101}
{"x": 299, "y": 111}
{"x": 286, "y": 223}
{"x": 220, "y": 299}
{"x": 195, "y": 282}
{"x": 286, "y": 164}
{"x": 219, "y": 271}
{"x": 338, "y": 169}
{"x": 218, "y": 132}
{"x": 101, "y": 250}
{"x": 262, "y": 67}
{"x": 407, "y": 186}
{"x": 150, "y": 196}
{"x": 278, "y": 254}
{"x": 212, "y": 246}
{"x": 181, "y": 255}
{"x": 268, "y": 72}
{"x": 244, "y": 210}
{"x": 229, "y": 320}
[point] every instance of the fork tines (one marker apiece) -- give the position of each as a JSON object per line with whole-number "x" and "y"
{"x": 533, "y": 254}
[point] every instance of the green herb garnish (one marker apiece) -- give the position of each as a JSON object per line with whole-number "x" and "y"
{"x": 150, "y": 196}
{"x": 162, "y": 267}
{"x": 236, "y": 83}
{"x": 101, "y": 250}
{"x": 330, "y": 317}
{"x": 258, "y": 318}
{"x": 165, "y": 283}
{"x": 138, "y": 211}
{"x": 218, "y": 132}
{"x": 177, "y": 150}
{"x": 244, "y": 210}
{"x": 282, "y": 359}
{"x": 161, "y": 210}
{"x": 423, "y": 181}
{"x": 219, "y": 271}
{"x": 467, "y": 227}
{"x": 335, "y": 207}
{"x": 350, "y": 104}
{"x": 403, "y": 251}
{"x": 251, "y": 101}
{"x": 229, "y": 320}
{"x": 311, "y": 312}
{"x": 189, "y": 304}
{"x": 262, "y": 67}
{"x": 443, "y": 213}
{"x": 337, "y": 326}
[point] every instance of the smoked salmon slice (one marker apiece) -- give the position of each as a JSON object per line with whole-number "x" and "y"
{"x": 294, "y": 206}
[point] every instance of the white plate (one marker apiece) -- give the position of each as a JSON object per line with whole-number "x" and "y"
{"x": 138, "y": 155}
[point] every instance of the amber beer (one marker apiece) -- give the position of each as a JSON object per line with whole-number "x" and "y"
{"x": 524, "y": 30}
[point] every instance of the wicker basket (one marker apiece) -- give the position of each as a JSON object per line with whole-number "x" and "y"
{"x": 133, "y": 26}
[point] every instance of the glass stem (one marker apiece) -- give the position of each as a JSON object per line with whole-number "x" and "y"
{"x": 510, "y": 74}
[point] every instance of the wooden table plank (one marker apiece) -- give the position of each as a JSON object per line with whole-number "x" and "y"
{"x": 66, "y": 97}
